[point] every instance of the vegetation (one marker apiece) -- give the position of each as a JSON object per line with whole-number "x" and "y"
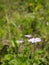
{"x": 17, "y": 19}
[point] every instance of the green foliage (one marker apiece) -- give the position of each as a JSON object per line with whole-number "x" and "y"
{"x": 17, "y": 19}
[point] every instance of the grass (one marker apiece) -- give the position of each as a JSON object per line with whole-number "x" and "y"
{"x": 20, "y": 18}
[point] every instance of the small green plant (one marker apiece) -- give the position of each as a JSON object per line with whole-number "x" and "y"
{"x": 17, "y": 19}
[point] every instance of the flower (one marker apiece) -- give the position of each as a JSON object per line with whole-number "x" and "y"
{"x": 28, "y": 36}
{"x": 37, "y": 40}
{"x": 34, "y": 40}
{"x": 19, "y": 41}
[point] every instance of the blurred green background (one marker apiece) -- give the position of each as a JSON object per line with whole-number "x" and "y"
{"x": 17, "y": 19}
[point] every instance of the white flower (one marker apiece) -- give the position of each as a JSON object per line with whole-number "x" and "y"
{"x": 28, "y": 36}
{"x": 34, "y": 40}
{"x": 19, "y": 41}
{"x": 37, "y": 40}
